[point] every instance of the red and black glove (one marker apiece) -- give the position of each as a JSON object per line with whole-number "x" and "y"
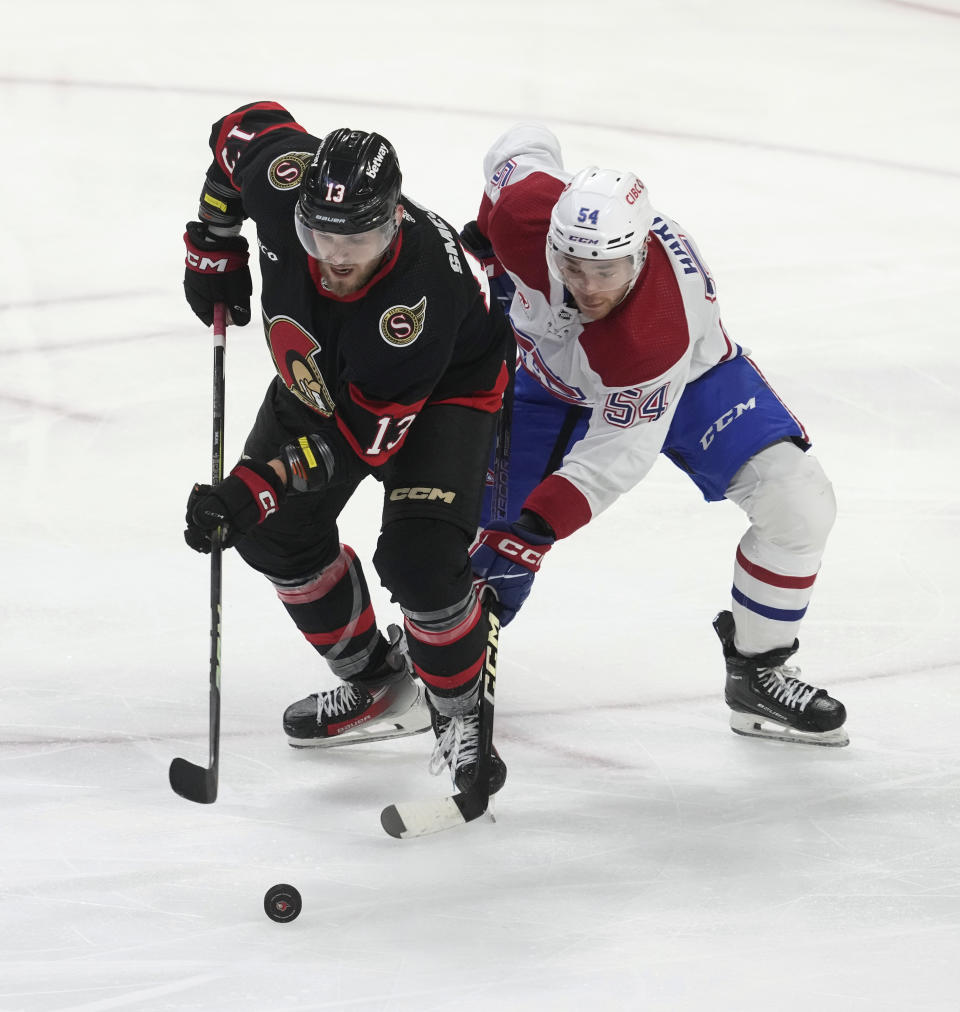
{"x": 246, "y": 497}
{"x": 217, "y": 271}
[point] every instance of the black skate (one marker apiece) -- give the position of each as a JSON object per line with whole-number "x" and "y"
{"x": 457, "y": 750}
{"x": 768, "y": 700}
{"x": 387, "y": 703}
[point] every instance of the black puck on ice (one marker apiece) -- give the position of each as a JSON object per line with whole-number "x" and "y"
{"x": 282, "y": 903}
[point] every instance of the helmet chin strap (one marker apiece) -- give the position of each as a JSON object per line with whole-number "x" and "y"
{"x": 639, "y": 270}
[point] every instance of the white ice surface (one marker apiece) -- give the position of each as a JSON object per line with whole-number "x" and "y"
{"x": 643, "y": 856}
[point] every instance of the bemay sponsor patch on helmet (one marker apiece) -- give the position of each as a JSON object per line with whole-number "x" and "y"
{"x": 286, "y": 171}
{"x": 402, "y": 325}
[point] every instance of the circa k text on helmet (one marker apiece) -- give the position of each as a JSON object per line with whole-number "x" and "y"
{"x": 602, "y": 215}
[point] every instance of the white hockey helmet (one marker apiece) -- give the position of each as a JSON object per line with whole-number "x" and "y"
{"x": 603, "y": 215}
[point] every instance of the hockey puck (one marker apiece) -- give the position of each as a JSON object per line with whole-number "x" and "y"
{"x": 282, "y": 903}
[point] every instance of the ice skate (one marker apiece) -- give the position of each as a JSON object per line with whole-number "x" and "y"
{"x": 387, "y": 703}
{"x": 767, "y": 699}
{"x": 457, "y": 749}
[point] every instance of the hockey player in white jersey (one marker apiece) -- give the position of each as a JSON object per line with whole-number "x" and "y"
{"x": 624, "y": 357}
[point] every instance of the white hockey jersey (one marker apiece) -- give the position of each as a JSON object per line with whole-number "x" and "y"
{"x": 629, "y": 368}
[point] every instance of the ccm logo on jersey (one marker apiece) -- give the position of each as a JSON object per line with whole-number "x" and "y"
{"x": 422, "y": 492}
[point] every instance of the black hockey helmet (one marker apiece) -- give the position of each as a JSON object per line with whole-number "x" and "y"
{"x": 353, "y": 184}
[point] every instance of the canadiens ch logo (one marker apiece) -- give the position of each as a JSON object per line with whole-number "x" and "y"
{"x": 293, "y": 351}
{"x": 402, "y": 325}
{"x": 287, "y": 170}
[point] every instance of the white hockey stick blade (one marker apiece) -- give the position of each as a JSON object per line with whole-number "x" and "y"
{"x": 410, "y": 819}
{"x": 753, "y": 726}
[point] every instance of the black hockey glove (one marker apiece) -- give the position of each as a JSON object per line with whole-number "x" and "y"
{"x": 475, "y": 242}
{"x": 245, "y": 498}
{"x": 217, "y": 271}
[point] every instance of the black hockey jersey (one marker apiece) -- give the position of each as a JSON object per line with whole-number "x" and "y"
{"x": 360, "y": 367}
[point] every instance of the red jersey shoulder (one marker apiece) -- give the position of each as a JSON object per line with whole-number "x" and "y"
{"x": 646, "y": 335}
{"x": 517, "y": 226}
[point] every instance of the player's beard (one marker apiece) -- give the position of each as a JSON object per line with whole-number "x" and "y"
{"x": 346, "y": 279}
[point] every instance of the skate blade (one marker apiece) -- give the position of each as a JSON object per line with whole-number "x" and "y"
{"x": 752, "y": 726}
{"x": 356, "y": 737}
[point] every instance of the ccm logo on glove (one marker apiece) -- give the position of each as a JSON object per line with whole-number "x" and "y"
{"x": 205, "y": 265}
{"x": 523, "y": 553}
{"x": 254, "y": 482}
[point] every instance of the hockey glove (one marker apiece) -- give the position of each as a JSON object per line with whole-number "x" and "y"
{"x": 475, "y": 242}
{"x": 506, "y": 558}
{"x": 245, "y": 498}
{"x": 216, "y": 271}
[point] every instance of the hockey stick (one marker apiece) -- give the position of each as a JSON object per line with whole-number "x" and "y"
{"x": 420, "y": 818}
{"x": 199, "y": 783}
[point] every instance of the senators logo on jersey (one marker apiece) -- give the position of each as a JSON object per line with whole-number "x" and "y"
{"x": 402, "y": 325}
{"x": 293, "y": 351}
{"x": 286, "y": 171}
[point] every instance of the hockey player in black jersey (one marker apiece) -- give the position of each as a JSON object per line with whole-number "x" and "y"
{"x": 390, "y": 362}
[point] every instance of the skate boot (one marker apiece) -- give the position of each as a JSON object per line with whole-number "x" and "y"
{"x": 457, "y": 749}
{"x": 386, "y": 703}
{"x": 768, "y": 700}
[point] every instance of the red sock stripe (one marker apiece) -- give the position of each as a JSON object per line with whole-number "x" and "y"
{"x": 447, "y": 636}
{"x": 361, "y": 624}
{"x": 774, "y": 579}
{"x": 452, "y": 681}
{"x": 322, "y": 584}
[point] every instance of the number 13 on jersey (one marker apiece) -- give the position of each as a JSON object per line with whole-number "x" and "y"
{"x": 390, "y": 433}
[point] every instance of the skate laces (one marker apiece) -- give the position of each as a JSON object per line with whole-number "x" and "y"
{"x": 337, "y": 701}
{"x": 785, "y": 687}
{"x": 457, "y": 745}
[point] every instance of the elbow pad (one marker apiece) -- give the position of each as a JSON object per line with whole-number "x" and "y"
{"x": 220, "y": 205}
{"x": 309, "y": 461}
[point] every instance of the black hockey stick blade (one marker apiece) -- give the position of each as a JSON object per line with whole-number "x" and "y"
{"x": 195, "y": 783}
